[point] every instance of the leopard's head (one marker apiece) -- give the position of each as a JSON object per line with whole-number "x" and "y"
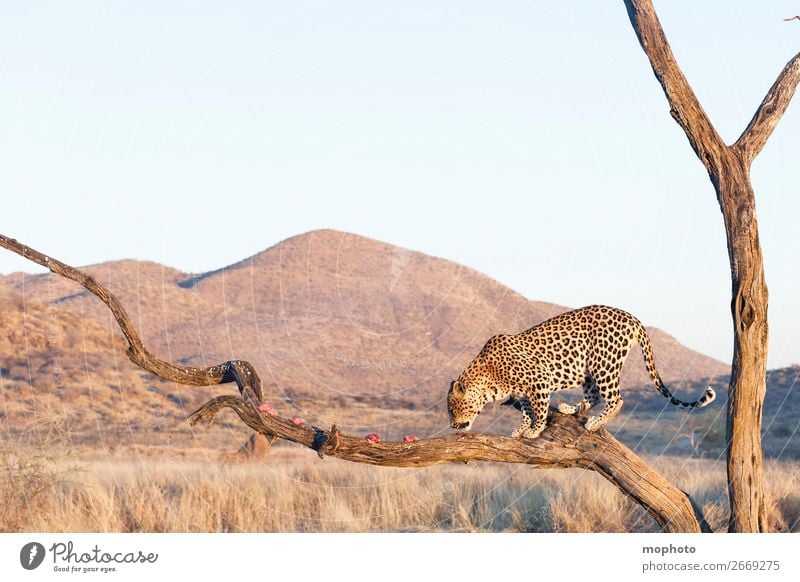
{"x": 465, "y": 400}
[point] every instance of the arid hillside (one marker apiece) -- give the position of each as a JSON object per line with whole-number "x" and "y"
{"x": 342, "y": 328}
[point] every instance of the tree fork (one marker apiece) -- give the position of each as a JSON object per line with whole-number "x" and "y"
{"x": 729, "y": 170}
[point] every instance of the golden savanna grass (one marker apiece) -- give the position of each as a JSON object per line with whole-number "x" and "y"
{"x": 293, "y": 491}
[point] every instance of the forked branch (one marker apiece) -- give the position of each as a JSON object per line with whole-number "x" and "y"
{"x": 729, "y": 170}
{"x": 685, "y": 108}
{"x": 564, "y": 443}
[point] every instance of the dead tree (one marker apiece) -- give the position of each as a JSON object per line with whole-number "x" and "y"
{"x": 728, "y": 167}
{"x": 564, "y": 443}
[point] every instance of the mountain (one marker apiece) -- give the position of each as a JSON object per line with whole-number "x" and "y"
{"x": 340, "y": 326}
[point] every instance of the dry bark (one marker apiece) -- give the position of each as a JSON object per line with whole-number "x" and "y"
{"x": 729, "y": 170}
{"x": 564, "y": 443}
{"x": 239, "y": 371}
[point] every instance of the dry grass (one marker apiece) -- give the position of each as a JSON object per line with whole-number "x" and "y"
{"x": 295, "y": 492}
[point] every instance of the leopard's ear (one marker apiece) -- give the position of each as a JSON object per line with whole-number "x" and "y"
{"x": 456, "y": 386}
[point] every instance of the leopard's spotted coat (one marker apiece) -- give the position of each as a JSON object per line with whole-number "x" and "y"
{"x": 585, "y": 347}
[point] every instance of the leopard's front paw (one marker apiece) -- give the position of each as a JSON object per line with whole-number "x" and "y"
{"x": 526, "y": 433}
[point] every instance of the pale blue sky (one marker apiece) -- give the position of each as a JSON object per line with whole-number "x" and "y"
{"x": 528, "y": 140}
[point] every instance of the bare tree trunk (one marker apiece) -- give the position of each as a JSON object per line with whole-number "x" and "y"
{"x": 564, "y": 443}
{"x": 749, "y": 370}
{"x": 729, "y": 170}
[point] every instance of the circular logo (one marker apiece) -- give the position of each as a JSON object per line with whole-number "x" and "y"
{"x": 31, "y": 555}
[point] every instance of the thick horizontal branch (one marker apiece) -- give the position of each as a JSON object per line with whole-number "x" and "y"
{"x": 685, "y": 108}
{"x": 564, "y": 443}
{"x": 238, "y": 371}
{"x": 769, "y": 113}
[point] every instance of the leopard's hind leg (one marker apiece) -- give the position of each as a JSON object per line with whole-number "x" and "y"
{"x": 609, "y": 391}
{"x": 591, "y": 396}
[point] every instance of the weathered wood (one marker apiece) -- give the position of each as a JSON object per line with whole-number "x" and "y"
{"x": 685, "y": 108}
{"x": 729, "y": 170}
{"x": 564, "y": 443}
{"x": 769, "y": 113}
{"x": 239, "y": 371}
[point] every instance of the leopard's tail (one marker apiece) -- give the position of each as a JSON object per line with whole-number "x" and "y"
{"x": 650, "y": 364}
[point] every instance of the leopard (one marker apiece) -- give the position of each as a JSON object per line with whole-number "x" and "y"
{"x": 584, "y": 348}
